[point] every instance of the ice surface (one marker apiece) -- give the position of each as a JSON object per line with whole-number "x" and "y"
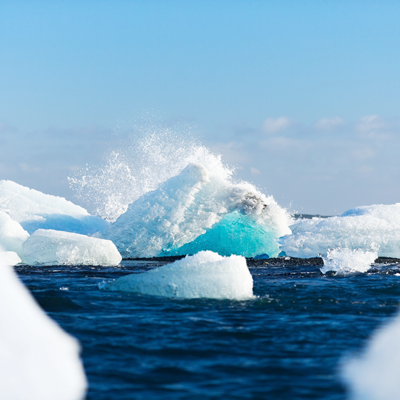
{"x": 346, "y": 261}
{"x": 370, "y": 228}
{"x": 9, "y": 257}
{"x": 35, "y": 210}
{"x": 200, "y": 209}
{"x": 374, "y": 375}
{"x": 205, "y": 274}
{"x": 12, "y": 235}
{"x": 39, "y": 361}
{"x": 49, "y": 247}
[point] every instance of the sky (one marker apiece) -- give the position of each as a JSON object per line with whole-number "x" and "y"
{"x": 302, "y": 97}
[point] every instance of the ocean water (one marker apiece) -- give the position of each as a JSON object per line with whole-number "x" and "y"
{"x": 287, "y": 343}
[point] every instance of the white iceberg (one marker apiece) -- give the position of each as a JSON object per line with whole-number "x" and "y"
{"x": 346, "y": 261}
{"x": 49, "y": 247}
{"x": 12, "y": 235}
{"x": 369, "y": 228}
{"x": 9, "y": 257}
{"x": 204, "y": 275}
{"x": 374, "y": 374}
{"x": 35, "y": 210}
{"x": 39, "y": 361}
{"x": 200, "y": 209}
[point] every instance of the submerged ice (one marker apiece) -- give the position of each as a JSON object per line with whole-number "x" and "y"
{"x": 35, "y": 210}
{"x": 200, "y": 209}
{"x": 49, "y": 247}
{"x": 373, "y": 228}
{"x": 39, "y": 361}
{"x": 204, "y": 275}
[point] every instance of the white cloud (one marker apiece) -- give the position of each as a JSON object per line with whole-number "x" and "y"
{"x": 329, "y": 123}
{"x": 371, "y": 123}
{"x": 273, "y": 125}
{"x": 255, "y": 171}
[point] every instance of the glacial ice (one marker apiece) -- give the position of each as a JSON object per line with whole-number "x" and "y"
{"x": 346, "y": 261}
{"x": 200, "y": 209}
{"x": 12, "y": 235}
{"x": 35, "y": 210}
{"x": 49, "y": 247}
{"x": 370, "y": 228}
{"x": 204, "y": 275}
{"x": 374, "y": 374}
{"x": 9, "y": 257}
{"x": 39, "y": 361}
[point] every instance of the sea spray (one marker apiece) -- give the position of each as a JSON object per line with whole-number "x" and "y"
{"x": 347, "y": 261}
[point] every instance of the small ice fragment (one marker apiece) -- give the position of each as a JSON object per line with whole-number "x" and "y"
{"x": 12, "y": 235}
{"x": 374, "y": 374}
{"x": 39, "y": 361}
{"x": 48, "y": 247}
{"x": 206, "y": 274}
{"x": 346, "y": 261}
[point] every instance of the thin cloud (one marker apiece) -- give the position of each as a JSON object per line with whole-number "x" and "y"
{"x": 274, "y": 125}
{"x": 329, "y": 123}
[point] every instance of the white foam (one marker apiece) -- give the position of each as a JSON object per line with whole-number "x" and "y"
{"x": 38, "y": 361}
{"x": 235, "y": 218}
{"x": 374, "y": 374}
{"x": 205, "y": 274}
{"x": 346, "y": 261}
{"x": 12, "y": 235}
{"x": 49, "y": 247}
{"x": 370, "y": 228}
{"x": 34, "y": 210}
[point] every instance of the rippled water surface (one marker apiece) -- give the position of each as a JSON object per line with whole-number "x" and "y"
{"x": 286, "y": 344}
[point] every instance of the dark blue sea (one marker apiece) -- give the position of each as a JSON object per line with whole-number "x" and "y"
{"x": 288, "y": 343}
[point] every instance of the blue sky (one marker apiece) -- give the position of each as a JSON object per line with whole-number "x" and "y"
{"x": 303, "y": 97}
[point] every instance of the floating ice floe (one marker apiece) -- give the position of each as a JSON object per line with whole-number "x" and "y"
{"x": 370, "y": 228}
{"x": 12, "y": 235}
{"x": 374, "y": 374}
{"x": 39, "y": 361}
{"x": 204, "y": 275}
{"x": 346, "y": 261}
{"x": 200, "y": 209}
{"x": 49, "y": 247}
{"x": 35, "y": 210}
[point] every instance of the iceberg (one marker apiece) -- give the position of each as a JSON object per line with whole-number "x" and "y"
{"x": 12, "y": 235}
{"x": 346, "y": 261}
{"x": 35, "y": 210}
{"x": 373, "y": 228}
{"x": 49, "y": 247}
{"x": 10, "y": 257}
{"x": 200, "y": 209}
{"x": 374, "y": 374}
{"x": 204, "y": 275}
{"x": 39, "y": 361}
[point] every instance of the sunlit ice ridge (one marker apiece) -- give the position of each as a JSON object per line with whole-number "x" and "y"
{"x": 167, "y": 194}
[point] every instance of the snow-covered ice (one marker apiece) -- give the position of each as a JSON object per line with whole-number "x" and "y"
{"x": 204, "y": 275}
{"x": 49, "y": 247}
{"x": 200, "y": 209}
{"x": 38, "y": 361}
{"x": 369, "y": 228}
{"x": 36, "y": 210}
{"x": 346, "y": 261}
{"x": 12, "y": 235}
{"x": 374, "y": 374}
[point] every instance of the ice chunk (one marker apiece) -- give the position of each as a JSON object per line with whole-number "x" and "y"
{"x": 39, "y": 361}
{"x": 374, "y": 374}
{"x": 49, "y": 247}
{"x": 346, "y": 261}
{"x": 35, "y": 210}
{"x": 12, "y": 235}
{"x": 205, "y": 274}
{"x": 370, "y": 228}
{"x": 10, "y": 257}
{"x": 200, "y": 209}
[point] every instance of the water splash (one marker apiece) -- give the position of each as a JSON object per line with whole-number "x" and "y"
{"x": 148, "y": 155}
